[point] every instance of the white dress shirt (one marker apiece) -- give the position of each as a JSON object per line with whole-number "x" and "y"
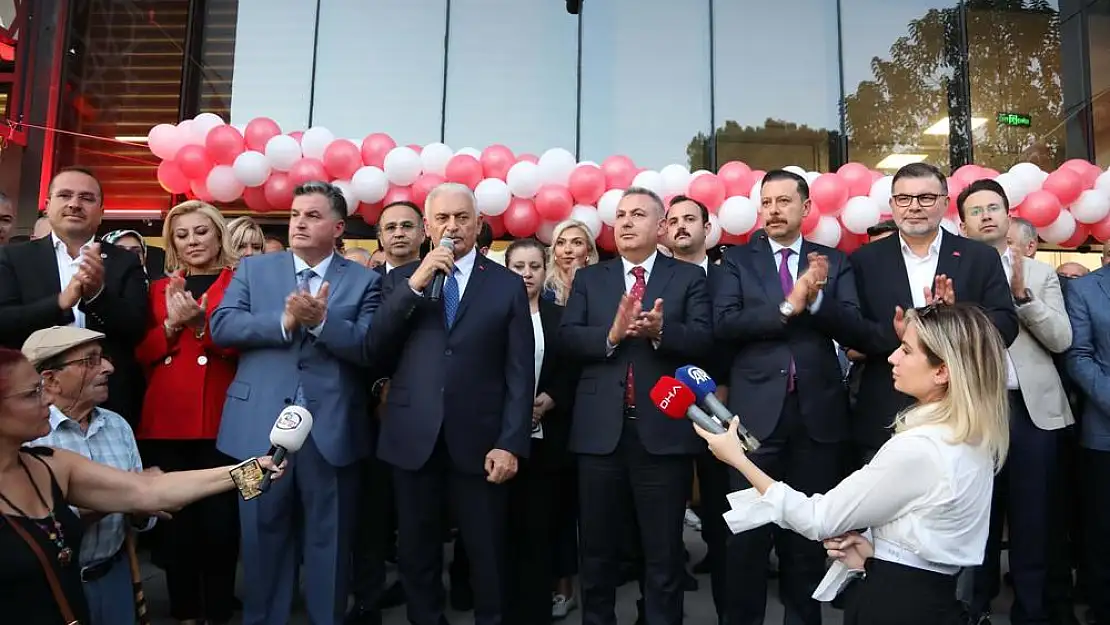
{"x": 921, "y": 270}
{"x": 704, "y": 264}
{"x": 67, "y": 268}
{"x": 314, "y": 284}
{"x": 463, "y": 268}
{"x": 629, "y": 279}
{"x": 537, "y": 334}
{"x": 1011, "y": 371}
{"x": 792, "y": 265}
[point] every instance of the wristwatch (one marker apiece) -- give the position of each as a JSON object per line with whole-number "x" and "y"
{"x": 786, "y": 309}
{"x": 1025, "y": 298}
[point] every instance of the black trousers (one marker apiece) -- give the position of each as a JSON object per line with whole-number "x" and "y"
{"x": 199, "y": 547}
{"x": 632, "y": 488}
{"x": 533, "y": 534}
{"x": 791, "y": 456}
{"x": 1097, "y": 520}
{"x": 896, "y": 594}
{"x": 374, "y": 533}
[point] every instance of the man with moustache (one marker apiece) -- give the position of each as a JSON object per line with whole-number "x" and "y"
{"x": 69, "y": 278}
{"x": 922, "y": 265}
{"x": 629, "y": 321}
{"x": 782, "y": 302}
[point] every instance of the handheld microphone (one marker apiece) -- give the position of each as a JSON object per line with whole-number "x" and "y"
{"x": 440, "y": 277}
{"x": 704, "y": 388}
{"x": 288, "y": 434}
{"x": 676, "y": 400}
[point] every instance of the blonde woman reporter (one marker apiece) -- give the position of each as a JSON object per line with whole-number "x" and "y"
{"x": 925, "y": 496}
{"x": 572, "y": 248}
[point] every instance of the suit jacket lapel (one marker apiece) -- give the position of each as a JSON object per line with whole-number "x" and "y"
{"x": 949, "y": 262}
{"x": 45, "y": 256}
{"x": 900, "y": 280}
{"x": 657, "y": 281}
{"x": 763, "y": 261}
{"x": 473, "y": 287}
{"x": 334, "y": 275}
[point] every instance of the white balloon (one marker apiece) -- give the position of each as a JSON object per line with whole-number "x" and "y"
{"x": 607, "y": 206}
{"x": 650, "y": 180}
{"x": 1102, "y": 183}
{"x": 811, "y": 176}
{"x": 1022, "y": 170}
{"x": 859, "y": 214}
{"x": 700, "y": 172}
{"x": 545, "y": 231}
{"x": 164, "y": 141}
{"x": 675, "y": 179}
{"x": 1092, "y": 206}
{"x": 881, "y": 190}
{"x": 493, "y": 197}
{"x": 315, "y": 140}
{"x": 402, "y": 166}
{"x": 738, "y": 215}
{"x": 348, "y": 191}
{"x": 827, "y": 232}
{"x": 555, "y": 166}
{"x": 754, "y": 193}
{"x": 1031, "y": 176}
{"x": 524, "y": 179}
{"x": 1015, "y": 187}
{"x": 434, "y": 158}
{"x": 470, "y": 152}
{"x": 202, "y": 125}
{"x": 794, "y": 169}
{"x": 950, "y": 225}
{"x": 370, "y": 184}
{"x": 185, "y": 133}
{"x": 252, "y": 168}
{"x": 1059, "y": 230}
{"x": 589, "y": 216}
{"x": 223, "y": 185}
{"x": 713, "y": 237}
{"x": 282, "y": 151}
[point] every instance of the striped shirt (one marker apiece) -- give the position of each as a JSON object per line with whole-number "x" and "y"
{"x": 109, "y": 441}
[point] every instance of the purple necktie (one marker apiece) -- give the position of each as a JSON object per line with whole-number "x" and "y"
{"x": 787, "y": 282}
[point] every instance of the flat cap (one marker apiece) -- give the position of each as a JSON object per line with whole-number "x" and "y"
{"x": 44, "y": 344}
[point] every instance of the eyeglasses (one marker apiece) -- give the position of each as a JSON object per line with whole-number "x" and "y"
{"x": 34, "y": 393}
{"x": 91, "y": 361}
{"x": 978, "y": 211}
{"x": 924, "y": 200}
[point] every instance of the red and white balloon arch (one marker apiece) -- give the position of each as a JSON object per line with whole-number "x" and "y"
{"x": 524, "y": 194}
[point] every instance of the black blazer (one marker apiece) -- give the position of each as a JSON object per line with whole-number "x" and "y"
{"x": 687, "y": 338}
{"x": 558, "y": 376}
{"x": 473, "y": 384}
{"x": 748, "y": 321}
{"x": 29, "y": 288}
{"x": 883, "y": 284}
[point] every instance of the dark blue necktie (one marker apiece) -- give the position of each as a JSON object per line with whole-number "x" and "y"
{"x": 304, "y": 277}
{"x": 451, "y": 299}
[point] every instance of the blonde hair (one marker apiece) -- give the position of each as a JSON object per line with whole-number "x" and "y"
{"x": 556, "y": 280}
{"x": 240, "y": 229}
{"x": 975, "y": 406}
{"x": 226, "y": 256}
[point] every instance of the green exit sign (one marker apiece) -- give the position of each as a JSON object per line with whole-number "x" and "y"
{"x": 1015, "y": 119}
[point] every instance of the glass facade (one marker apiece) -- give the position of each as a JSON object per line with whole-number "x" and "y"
{"x": 700, "y": 82}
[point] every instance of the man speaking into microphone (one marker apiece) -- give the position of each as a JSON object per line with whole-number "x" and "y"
{"x": 457, "y": 333}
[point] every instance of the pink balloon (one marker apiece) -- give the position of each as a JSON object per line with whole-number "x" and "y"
{"x": 164, "y": 140}
{"x": 194, "y": 162}
{"x": 496, "y": 161}
{"x": 224, "y": 143}
{"x": 1079, "y": 237}
{"x": 307, "y": 170}
{"x": 875, "y": 175}
{"x": 199, "y": 190}
{"x": 809, "y": 222}
{"x": 968, "y": 173}
{"x": 397, "y": 194}
{"x": 850, "y": 242}
{"x": 1077, "y": 165}
{"x": 260, "y": 130}
{"x": 858, "y": 178}
{"x": 423, "y": 186}
{"x": 955, "y": 186}
{"x": 553, "y": 202}
{"x": 619, "y": 171}
{"x": 1065, "y": 184}
{"x": 464, "y": 169}
{"x": 342, "y": 159}
{"x": 415, "y": 148}
{"x": 172, "y": 179}
{"x": 297, "y": 134}
{"x": 587, "y": 184}
{"x": 1100, "y": 230}
{"x": 1041, "y": 208}
{"x": 278, "y": 190}
{"x": 496, "y": 224}
{"x": 737, "y": 177}
{"x": 987, "y": 172}
{"x": 531, "y": 158}
{"x": 521, "y": 218}
{"x": 709, "y": 190}
{"x": 370, "y": 213}
{"x": 375, "y": 147}
{"x": 255, "y": 199}
{"x": 607, "y": 239}
{"x": 829, "y": 193}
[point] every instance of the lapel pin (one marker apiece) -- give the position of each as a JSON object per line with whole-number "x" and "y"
{"x": 956, "y": 254}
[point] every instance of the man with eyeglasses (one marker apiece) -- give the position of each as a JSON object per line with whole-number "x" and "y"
{"x": 74, "y": 373}
{"x": 922, "y": 265}
{"x": 70, "y": 278}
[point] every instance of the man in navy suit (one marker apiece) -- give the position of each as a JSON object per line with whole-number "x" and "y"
{"x": 629, "y": 321}
{"x": 300, "y": 319}
{"x": 459, "y": 408}
{"x": 779, "y": 308}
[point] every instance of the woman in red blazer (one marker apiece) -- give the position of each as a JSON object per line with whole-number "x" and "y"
{"x": 187, "y": 380}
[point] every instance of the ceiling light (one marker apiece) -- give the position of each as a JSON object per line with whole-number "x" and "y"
{"x": 941, "y": 127}
{"x": 898, "y": 161}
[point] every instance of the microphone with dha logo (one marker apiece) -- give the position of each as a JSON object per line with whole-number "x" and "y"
{"x": 288, "y": 434}
{"x": 676, "y": 400}
{"x": 704, "y": 388}
{"x": 440, "y": 277}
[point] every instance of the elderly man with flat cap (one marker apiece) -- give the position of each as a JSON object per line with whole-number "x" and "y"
{"x": 75, "y": 376}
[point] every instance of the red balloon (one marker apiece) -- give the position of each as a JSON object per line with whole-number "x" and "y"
{"x": 619, "y": 172}
{"x": 423, "y": 186}
{"x": 260, "y": 130}
{"x": 496, "y": 225}
{"x": 1041, "y": 208}
{"x": 397, "y": 194}
{"x": 1079, "y": 237}
{"x": 224, "y": 143}
{"x": 342, "y": 159}
{"x": 375, "y": 147}
{"x": 733, "y": 239}
{"x": 553, "y": 203}
{"x": 279, "y": 191}
{"x": 987, "y": 172}
{"x": 172, "y": 179}
{"x": 829, "y": 193}
{"x": 709, "y": 190}
{"x": 297, "y": 134}
{"x": 607, "y": 239}
{"x": 1065, "y": 184}
{"x": 955, "y": 186}
{"x": 370, "y": 213}
{"x": 531, "y": 158}
{"x": 415, "y": 148}
{"x": 968, "y": 173}
{"x": 307, "y": 170}
{"x": 587, "y": 184}
{"x": 737, "y": 177}
{"x": 194, "y": 162}
{"x": 521, "y": 218}
{"x": 255, "y": 199}
{"x": 199, "y": 190}
{"x": 1076, "y": 165}
{"x": 757, "y": 176}
{"x": 496, "y": 161}
{"x": 850, "y": 242}
{"x": 858, "y": 178}
{"x": 809, "y": 222}
{"x": 875, "y": 175}
{"x": 464, "y": 169}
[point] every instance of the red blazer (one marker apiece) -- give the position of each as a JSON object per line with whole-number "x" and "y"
{"x": 187, "y": 377}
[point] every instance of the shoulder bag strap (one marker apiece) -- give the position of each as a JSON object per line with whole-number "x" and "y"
{"x": 51, "y": 577}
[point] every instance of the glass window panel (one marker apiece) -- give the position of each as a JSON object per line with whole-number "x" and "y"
{"x": 379, "y": 68}
{"x": 515, "y": 86}
{"x": 217, "y": 56}
{"x": 776, "y": 113}
{"x": 1098, "y": 29}
{"x": 896, "y": 79}
{"x": 645, "y": 81}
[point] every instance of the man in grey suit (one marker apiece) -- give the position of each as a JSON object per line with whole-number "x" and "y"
{"x": 299, "y": 319}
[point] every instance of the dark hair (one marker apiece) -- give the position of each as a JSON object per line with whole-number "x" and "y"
{"x": 782, "y": 174}
{"x": 485, "y": 236}
{"x": 275, "y": 238}
{"x": 882, "y": 227}
{"x": 683, "y": 198}
{"x": 336, "y": 202}
{"x": 76, "y": 169}
{"x": 921, "y": 170}
{"x": 9, "y": 359}
{"x": 524, "y": 244}
{"x": 983, "y": 184}
{"x": 413, "y": 206}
